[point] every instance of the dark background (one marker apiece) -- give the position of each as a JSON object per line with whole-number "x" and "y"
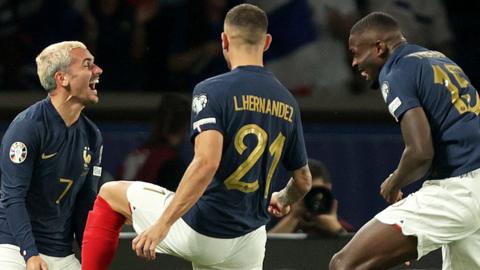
{"x": 352, "y": 133}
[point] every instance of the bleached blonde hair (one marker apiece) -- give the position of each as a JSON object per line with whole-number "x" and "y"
{"x": 55, "y": 57}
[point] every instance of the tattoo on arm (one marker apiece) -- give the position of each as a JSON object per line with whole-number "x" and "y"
{"x": 290, "y": 194}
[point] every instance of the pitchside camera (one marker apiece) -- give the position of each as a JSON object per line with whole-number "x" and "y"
{"x": 319, "y": 200}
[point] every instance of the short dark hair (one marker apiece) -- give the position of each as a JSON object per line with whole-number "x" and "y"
{"x": 377, "y": 20}
{"x": 251, "y": 20}
{"x": 319, "y": 170}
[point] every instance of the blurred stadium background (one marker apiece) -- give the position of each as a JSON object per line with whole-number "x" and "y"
{"x": 151, "y": 47}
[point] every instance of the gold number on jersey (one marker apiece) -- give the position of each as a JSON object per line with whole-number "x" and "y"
{"x": 275, "y": 149}
{"x": 69, "y": 183}
{"x": 461, "y": 103}
{"x": 233, "y": 181}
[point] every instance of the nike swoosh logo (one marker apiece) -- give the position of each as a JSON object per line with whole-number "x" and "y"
{"x": 45, "y": 156}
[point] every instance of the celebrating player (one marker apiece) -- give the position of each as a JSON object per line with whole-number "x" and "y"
{"x": 437, "y": 108}
{"x": 50, "y": 163}
{"x": 245, "y": 124}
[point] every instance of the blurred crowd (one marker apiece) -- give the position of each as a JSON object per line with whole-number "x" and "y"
{"x": 170, "y": 45}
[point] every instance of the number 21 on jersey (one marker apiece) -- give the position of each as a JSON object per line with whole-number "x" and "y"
{"x": 234, "y": 181}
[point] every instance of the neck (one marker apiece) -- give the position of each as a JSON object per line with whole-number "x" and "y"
{"x": 392, "y": 46}
{"x": 68, "y": 109}
{"x": 245, "y": 58}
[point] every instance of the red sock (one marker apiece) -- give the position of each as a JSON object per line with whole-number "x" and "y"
{"x": 100, "y": 238}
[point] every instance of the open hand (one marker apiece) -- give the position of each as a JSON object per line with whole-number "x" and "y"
{"x": 145, "y": 243}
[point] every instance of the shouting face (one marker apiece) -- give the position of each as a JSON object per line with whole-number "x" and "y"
{"x": 81, "y": 76}
{"x": 368, "y": 56}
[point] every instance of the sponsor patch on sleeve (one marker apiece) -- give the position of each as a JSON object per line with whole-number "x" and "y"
{"x": 97, "y": 171}
{"x": 18, "y": 152}
{"x": 393, "y": 106}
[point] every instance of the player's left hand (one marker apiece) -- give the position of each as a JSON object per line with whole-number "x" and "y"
{"x": 389, "y": 192}
{"x": 145, "y": 243}
{"x": 276, "y": 208}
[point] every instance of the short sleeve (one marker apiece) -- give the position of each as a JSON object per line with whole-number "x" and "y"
{"x": 206, "y": 112}
{"x": 400, "y": 90}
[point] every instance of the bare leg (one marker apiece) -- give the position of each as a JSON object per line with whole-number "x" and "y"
{"x": 375, "y": 246}
{"x": 115, "y": 193}
{"x": 101, "y": 236}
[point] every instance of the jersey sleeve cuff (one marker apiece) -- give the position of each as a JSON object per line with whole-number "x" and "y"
{"x": 195, "y": 132}
{"x": 28, "y": 252}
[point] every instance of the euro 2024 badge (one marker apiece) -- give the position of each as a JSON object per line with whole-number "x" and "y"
{"x": 18, "y": 152}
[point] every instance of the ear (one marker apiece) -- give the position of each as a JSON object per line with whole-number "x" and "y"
{"x": 381, "y": 48}
{"x": 61, "y": 78}
{"x": 268, "y": 41}
{"x": 225, "y": 41}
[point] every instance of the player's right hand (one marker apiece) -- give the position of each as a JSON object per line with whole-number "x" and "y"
{"x": 388, "y": 192}
{"x": 36, "y": 263}
{"x": 277, "y": 209}
{"x": 146, "y": 242}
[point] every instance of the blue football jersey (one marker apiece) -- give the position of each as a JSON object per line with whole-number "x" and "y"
{"x": 49, "y": 180}
{"x": 416, "y": 77}
{"x": 261, "y": 125}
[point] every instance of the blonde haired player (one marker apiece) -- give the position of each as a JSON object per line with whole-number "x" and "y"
{"x": 50, "y": 163}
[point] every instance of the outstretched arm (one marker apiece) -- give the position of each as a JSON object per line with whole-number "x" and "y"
{"x": 416, "y": 158}
{"x": 199, "y": 174}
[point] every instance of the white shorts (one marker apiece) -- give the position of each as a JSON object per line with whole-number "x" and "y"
{"x": 10, "y": 259}
{"x": 147, "y": 203}
{"x": 443, "y": 213}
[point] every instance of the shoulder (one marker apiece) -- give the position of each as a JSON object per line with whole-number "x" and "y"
{"x": 407, "y": 65}
{"x": 211, "y": 90}
{"x": 214, "y": 84}
{"x": 31, "y": 119}
{"x": 416, "y": 56}
{"x": 288, "y": 95}
{"x": 35, "y": 112}
{"x": 24, "y": 127}
{"x": 25, "y": 130}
